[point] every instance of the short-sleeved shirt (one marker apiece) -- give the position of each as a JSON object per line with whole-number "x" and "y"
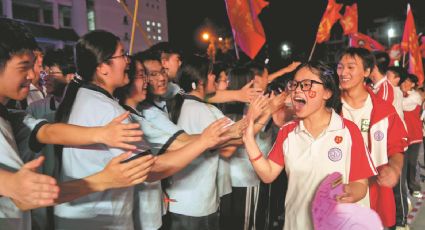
{"x": 148, "y": 199}
{"x": 307, "y": 161}
{"x": 13, "y": 124}
{"x": 195, "y": 187}
{"x": 159, "y": 131}
{"x": 93, "y": 106}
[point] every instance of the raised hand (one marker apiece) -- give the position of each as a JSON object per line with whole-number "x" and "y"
{"x": 247, "y": 94}
{"x": 257, "y": 107}
{"x": 30, "y": 188}
{"x": 119, "y": 135}
{"x": 276, "y": 102}
{"x": 214, "y": 134}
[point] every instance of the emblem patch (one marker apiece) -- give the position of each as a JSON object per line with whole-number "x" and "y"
{"x": 335, "y": 154}
{"x": 338, "y": 139}
{"x": 378, "y": 135}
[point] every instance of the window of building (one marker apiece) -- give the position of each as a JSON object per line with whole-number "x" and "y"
{"x": 159, "y": 31}
{"x": 26, "y": 12}
{"x": 159, "y": 24}
{"x": 159, "y": 38}
{"x": 154, "y": 37}
{"x": 125, "y": 20}
{"x": 64, "y": 16}
{"x": 153, "y": 23}
{"x": 90, "y": 15}
{"x": 126, "y": 37}
{"x": 148, "y": 23}
{"x": 148, "y": 29}
{"x": 47, "y": 10}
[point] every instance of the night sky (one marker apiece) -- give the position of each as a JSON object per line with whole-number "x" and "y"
{"x": 291, "y": 21}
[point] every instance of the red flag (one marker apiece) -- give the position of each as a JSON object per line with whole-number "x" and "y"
{"x": 395, "y": 53}
{"x": 349, "y": 21}
{"x": 410, "y": 44}
{"x": 422, "y": 47}
{"x": 329, "y": 18}
{"x": 247, "y": 28}
{"x": 363, "y": 41}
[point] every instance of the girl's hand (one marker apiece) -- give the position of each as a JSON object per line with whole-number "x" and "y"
{"x": 257, "y": 107}
{"x": 248, "y": 94}
{"x": 117, "y": 174}
{"x": 347, "y": 196}
{"x": 276, "y": 102}
{"x": 118, "y": 135}
{"x": 249, "y": 134}
{"x": 212, "y": 135}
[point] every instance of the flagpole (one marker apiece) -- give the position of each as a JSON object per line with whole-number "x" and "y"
{"x": 235, "y": 44}
{"x": 148, "y": 42}
{"x": 312, "y": 50}
{"x": 133, "y": 26}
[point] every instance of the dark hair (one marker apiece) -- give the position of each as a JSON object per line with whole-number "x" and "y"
{"x": 15, "y": 39}
{"x": 365, "y": 55}
{"x": 330, "y": 82}
{"x": 61, "y": 59}
{"x": 413, "y": 78}
{"x": 92, "y": 49}
{"x": 220, "y": 67}
{"x": 382, "y": 61}
{"x": 165, "y": 49}
{"x": 241, "y": 76}
{"x": 397, "y": 70}
{"x": 194, "y": 70}
{"x": 256, "y": 67}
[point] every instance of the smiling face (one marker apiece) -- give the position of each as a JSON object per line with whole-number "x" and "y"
{"x": 393, "y": 77}
{"x": 307, "y": 102}
{"x": 16, "y": 77}
{"x": 139, "y": 87}
{"x": 55, "y": 80}
{"x": 119, "y": 64}
{"x": 407, "y": 85}
{"x": 158, "y": 80}
{"x": 351, "y": 72}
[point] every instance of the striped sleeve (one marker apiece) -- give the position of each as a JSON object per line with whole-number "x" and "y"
{"x": 276, "y": 154}
{"x": 396, "y": 135}
{"x": 361, "y": 165}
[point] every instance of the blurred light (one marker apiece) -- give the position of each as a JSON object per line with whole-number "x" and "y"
{"x": 205, "y": 36}
{"x": 266, "y": 61}
{"x": 148, "y": 23}
{"x": 285, "y": 48}
{"x": 391, "y": 32}
{"x": 220, "y": 39}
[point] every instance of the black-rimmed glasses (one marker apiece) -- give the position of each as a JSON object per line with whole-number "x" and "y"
{"x": 126, "y": 56}
{"x": 304, "y": 84}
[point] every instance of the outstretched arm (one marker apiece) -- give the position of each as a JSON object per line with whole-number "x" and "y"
{"x": 115, "y": 175}
{"x": 115, "y": 134}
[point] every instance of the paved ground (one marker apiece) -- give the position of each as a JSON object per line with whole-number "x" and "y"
{"x": 416, "y": 217}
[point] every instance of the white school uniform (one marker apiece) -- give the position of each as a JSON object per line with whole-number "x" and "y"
{"x": 149, "y": 205}
{"x": 194, "y": 188}
{"x": 35, "y": 94}
{"x": 15, "y": 127}
{"x": 309, "y": 160}
{"x": 112, "y": 208}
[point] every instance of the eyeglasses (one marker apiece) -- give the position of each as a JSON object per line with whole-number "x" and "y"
{"x": 126, "y": 56}
{"x": 304, "y": 84}
{"x": 155, "y": 74}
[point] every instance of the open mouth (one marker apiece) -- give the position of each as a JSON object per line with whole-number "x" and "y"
{"x": 344, "y": 79}
{"x": 299, "y": 102}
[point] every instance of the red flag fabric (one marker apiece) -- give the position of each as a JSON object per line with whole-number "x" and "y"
{"x": 395, "y": 53}
{"x": 329, "y": 18}
{"x": 363, "y": 41}
{"x": 247, "y": 29}
{"x": 410, "y": 44}
{"x": 422, "y": 47}
{"x": 349, "y": 21}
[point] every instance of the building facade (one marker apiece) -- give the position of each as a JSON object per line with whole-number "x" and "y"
{"x": 59, "y": 23}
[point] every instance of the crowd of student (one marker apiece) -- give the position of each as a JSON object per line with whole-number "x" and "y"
{"x": 100, "y": 139}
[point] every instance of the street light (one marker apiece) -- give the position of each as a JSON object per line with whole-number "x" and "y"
{"x": 285, "y": 50}
{"x": 206, "y": 36}
{"x": 391, "y": 34}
